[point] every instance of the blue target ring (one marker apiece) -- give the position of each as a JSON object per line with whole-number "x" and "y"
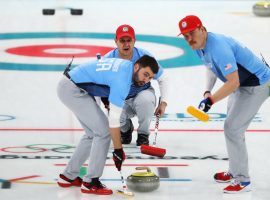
{"x": 188, "y": 59}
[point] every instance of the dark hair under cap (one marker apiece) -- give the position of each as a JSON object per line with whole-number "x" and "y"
{"x": 148, "y": 61}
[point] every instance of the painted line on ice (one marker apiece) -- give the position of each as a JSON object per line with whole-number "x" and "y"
{"x": 137, "y": 165}
{"x": 6, "y": 184}
{"x": 23, "y": 178}
{"x": 108, "y": 179}
{"x": 160, "y": 130}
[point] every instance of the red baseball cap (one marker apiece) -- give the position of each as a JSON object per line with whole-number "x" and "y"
{"x": 189, "y": 23}
{"x": 125, "y": 30}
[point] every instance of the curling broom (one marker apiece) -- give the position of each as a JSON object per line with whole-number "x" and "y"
{"x": 195, "y": 112}
{"x": 153, "y": 150}
{"x": 125, "y": 190}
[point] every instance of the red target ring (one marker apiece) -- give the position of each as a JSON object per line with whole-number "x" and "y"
{"x": 59, "y": 50}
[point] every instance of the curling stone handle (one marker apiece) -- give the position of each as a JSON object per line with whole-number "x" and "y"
{"x": 143, "y": 168}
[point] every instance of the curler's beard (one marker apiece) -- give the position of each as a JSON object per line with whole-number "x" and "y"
{"x": 136, "y": 79}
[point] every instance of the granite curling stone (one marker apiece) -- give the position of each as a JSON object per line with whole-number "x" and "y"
{"x": 143, "y": 181}
{"x": 262, "y": 8}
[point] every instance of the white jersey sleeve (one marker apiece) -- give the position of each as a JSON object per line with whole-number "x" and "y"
{"x": 210, "y": 79}
{"x": 163, "y": 82}
{"x": 114, "y": 116}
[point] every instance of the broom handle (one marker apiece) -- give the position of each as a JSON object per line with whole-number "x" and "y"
{"x": 156, "y": 125}
{"x": 124, "y": 185}
{"x": 156, "y": 129}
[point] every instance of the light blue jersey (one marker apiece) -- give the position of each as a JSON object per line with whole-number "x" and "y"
{"x": 137, "y": 53}
{"x": 224, "y": 55}
{"x": 107, "y": 77}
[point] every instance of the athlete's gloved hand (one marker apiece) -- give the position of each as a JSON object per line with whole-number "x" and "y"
{"x": 206, "y": 104}
{"x": 118, "y": 158}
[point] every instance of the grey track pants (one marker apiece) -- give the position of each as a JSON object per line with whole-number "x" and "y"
{"x": 95, "y": 143}
{"x": 243, "y": 105}
{"x": 142, "y": 106}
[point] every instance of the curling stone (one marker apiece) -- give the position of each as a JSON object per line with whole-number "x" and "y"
{"x": 48, "y": 11}
{"x": 262, "y": 8}
{"x": 74, "y": 11}
{"x": 145, "y": 181}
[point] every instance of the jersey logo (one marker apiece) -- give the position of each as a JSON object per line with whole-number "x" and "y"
{"x": 125, "y": 29}
{"x": 228, "y": 66}
{"x": 184, "y": 24}
{"x": 104, "y": 65}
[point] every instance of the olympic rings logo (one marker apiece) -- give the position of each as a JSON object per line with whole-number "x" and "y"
{"x": 39, "y": 148}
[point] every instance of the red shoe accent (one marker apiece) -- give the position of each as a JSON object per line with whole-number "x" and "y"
{"x": 237, "y": 187}
{"x": 223, "y": 177}
{"x": 63, "y": 181}
{"x": 98, "y": 189}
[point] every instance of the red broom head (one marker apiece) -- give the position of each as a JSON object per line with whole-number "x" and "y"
{"x": 153, "y": 151}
